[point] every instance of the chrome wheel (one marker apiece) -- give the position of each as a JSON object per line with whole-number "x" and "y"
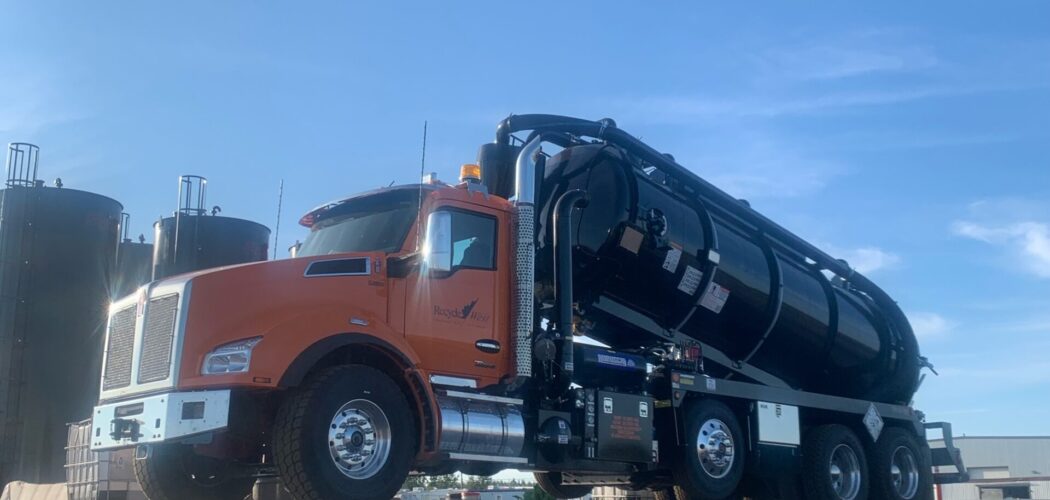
{"x": 844, "y": 468}
{"x": 359, "y": 439}
{"x": 904, "y": 470}
{"x": 714, "y": 448}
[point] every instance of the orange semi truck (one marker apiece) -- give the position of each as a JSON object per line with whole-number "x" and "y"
{"x": 433, "y": 328}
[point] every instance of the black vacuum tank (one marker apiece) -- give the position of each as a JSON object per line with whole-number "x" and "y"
{"x": 654, "y": 261}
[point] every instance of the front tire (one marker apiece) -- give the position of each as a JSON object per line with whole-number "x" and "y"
{"x": 713, "y": 460}
{"x": 833, "y": 464}
{"x": 175, "y": 472}
{"x": 900, "y": 469}
{"x": 348, "y": 433}
{"x": 550, "y": 483}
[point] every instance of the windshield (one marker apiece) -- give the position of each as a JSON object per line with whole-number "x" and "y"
{"x": 375, "y": 223}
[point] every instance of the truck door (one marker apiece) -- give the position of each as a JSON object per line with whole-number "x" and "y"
{"x": 453, "y": 308}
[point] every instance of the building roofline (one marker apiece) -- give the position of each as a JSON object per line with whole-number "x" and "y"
{"x": 958, "y": 438}
{"x": 1003, "y": 481}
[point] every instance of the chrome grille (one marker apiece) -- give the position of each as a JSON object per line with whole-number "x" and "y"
{"x": 120, "y": 349}
{"x": 157, "y": 338}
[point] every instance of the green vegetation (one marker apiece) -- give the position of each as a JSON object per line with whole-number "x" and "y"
{"x": 457, "y": 480}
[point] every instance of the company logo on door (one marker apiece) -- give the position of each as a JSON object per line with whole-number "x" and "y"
{"x": 465, "y": 314}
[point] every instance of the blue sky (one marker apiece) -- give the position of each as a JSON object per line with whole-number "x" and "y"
{"x": 910, "y": 139}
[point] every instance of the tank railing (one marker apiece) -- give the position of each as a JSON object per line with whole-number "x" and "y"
{"x": 125, "y": 221}
{"x": 606, "y": 130}
{"x": 189, "y": 205}
{"x": 193, "y": 195}
{"x": 22, "y": 160}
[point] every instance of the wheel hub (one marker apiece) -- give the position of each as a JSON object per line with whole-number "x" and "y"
{"x": 715, "y": 448}
{"x": 844, "y": 472}
{"x": 359, "y": 439}
{"x": 904, "y": 470}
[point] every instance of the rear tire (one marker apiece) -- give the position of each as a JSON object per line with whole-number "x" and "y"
{"x": 348, "y": 434}
{"x": 550, "y": 483}
{"x": 833, "y": 464}
{"x": 712, "y": 462}
{"x": 900, "y": 469}
{"x": 175, "y": 472}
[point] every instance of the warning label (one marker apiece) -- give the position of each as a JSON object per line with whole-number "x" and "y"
{"x": 690, "y": 280}
{"x": 671, "y": 261}
{"x": 624, "y": 427}
{"x": 715, "y": 297}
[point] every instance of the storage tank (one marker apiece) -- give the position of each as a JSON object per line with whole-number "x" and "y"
{"x": 57, "y": 253}
{"x": 134, "y": 261}
{"x": 654, "y": 261}
{"x": 191, "y": 239}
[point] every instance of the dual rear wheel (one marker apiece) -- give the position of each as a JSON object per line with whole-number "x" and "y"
{"x": 835, "y": 464}
{"x": 901, "y": 467}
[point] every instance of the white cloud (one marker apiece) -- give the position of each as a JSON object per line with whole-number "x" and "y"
{"x": 834, "y": 60}
{"x": 929, "y": 325}
{"x": 867, "y": 260}
{"x": 689, "y": 109}
{"x": 1028, "y": 241}
{"x": 752, "y": 165}
{"x": 771, "y": 177}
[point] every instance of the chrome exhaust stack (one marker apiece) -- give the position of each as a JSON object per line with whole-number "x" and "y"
{"x": 523, "y": 279}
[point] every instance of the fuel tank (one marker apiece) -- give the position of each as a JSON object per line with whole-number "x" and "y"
{"x": 654, "y": 261}
{"x": 480, "y": 424}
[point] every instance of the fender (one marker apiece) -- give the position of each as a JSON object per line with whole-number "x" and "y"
{"x": 419, "y": 390}
{"x": 306, "y": 360}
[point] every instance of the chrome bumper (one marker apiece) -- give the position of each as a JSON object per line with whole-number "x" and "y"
{"x": 159, "y": 418}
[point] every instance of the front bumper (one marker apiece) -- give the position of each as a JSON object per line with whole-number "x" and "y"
{"x": 159, "y": 418}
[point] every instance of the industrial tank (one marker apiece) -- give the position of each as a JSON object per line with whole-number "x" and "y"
{"x": 653, "y": 261}
{"x": 57, "y": 253}
{"x": 134, "y": 262}
{"x": 191, "y": 239}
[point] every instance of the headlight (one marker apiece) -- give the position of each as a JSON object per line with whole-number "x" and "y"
{"x": 234, "y": 357}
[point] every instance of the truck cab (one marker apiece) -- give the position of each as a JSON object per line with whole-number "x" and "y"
{"x": 431, "y": 328}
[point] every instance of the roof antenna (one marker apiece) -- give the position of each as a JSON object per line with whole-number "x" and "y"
{"x": 419, "y": 207}
{"x": 277, "y": 229}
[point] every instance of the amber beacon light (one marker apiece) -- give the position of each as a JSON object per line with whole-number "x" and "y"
{"x": 470, "y": 173}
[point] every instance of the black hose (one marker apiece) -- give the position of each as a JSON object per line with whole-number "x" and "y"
{"x": 563, "y": 243}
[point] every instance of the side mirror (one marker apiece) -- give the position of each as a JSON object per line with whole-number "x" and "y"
{"x": 437, "y": 251}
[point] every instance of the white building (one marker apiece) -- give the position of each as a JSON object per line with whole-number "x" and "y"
{"x": 1002, "y": 468}
{"x": 463, "y": 494}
